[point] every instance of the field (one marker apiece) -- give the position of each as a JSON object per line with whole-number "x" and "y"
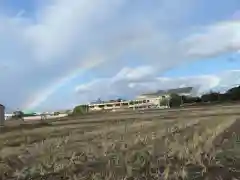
{"x": 190, "y": 143}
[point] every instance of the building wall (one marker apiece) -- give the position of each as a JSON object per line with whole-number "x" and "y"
{"x": 141, "y": 101}
{"x": 156, "y": 100}
{"x": 8, "y": 116}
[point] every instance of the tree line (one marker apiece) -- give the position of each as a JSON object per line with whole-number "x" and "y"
{"x": 230, "y": 95}
{"x": 176, "y": 100}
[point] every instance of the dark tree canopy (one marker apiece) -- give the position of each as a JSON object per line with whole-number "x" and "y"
{"x": 211, "y": 97}
{"x": 81, "y": 109}
{"x": 175, "y": 100}
{"x": 232, "y": 94}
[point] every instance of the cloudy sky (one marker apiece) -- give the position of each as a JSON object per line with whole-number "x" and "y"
{"x": 55, "y": 54}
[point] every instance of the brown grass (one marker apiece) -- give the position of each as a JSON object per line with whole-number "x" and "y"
{"x": 160, "y": 145}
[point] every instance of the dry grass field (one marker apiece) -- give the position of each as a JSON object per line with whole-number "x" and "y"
{"x": 190, "y": 143}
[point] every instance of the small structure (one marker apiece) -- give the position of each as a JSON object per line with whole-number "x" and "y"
{"x": 28, "y": 113}
{"x": 2, "y": 115}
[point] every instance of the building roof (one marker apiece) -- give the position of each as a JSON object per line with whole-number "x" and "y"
{"x": 28, "y": 112}
{"x": 184, "y": 90}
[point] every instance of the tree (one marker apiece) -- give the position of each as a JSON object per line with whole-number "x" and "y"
{"x": 175, "y": 100}
{"x": 234, "y": 93}
{"x": 164, "y": 101}
{"x": 131, "y": 102}
{"x": 120, "y": 100}
{"x": 18, "y": 115}
{"x": 190, "y": 99}
{"x": 224, "y": 97}
{"x": 56, "y": 113}
{"x": 211, "y": 97}
{"x": 81, "y": 109}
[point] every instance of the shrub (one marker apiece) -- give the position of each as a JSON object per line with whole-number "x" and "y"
{"x": 81, "y": 109}
{"x": 175, "y": 100}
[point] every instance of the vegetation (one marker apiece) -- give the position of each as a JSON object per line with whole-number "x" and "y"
{"x": 189, "y": 146}
{"x": 175, "y": 100}
{"x": 164, "y": 101}
{"x": 131, "y": 102}
{"x": 232, "y": 94}
{"x": 18, "y": 115}
{"x": 56, "y": 113}
{"x": 81, "y": 109}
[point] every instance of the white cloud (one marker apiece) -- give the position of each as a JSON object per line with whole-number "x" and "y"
{"x": 62, "y": 25}
{"x": 108, "y": 88}
{"x": 142, "y": 73}
{"x": 43, "y": 52}
{"x": 216, "y": 39}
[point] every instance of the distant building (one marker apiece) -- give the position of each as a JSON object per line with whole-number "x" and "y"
{"x": 158, "y": 99}
{"x": 8, "y": 116}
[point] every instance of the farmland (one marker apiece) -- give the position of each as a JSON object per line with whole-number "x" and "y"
{"x": 190, "y": 143}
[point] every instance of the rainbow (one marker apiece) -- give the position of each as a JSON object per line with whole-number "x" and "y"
{"x": 42, "y": 95}
{"x": 90, "y": 62}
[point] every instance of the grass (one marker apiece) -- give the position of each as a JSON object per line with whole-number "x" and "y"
{"x": 156, "y": 147}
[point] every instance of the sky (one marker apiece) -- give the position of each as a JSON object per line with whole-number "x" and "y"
{"x": 55, "y": 54}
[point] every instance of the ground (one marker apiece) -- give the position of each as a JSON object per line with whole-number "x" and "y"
{"x": 188, "y": 143}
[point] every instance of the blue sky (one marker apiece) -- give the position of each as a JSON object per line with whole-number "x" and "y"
{"x": 60, "y": 53}
{"x": 206, "y": 66}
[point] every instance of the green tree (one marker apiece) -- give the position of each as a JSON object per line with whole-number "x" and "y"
{"x": 224, "y": 97}
{"x": 164, "y": 101}
{"x": 234, "y": 93}
{"x": 190, "y": 99}
{"x": 211, "y": 97}
{"x": 81, "y": 109}
{"x": 131, "y": 102}
{"x": 175, "y": 100}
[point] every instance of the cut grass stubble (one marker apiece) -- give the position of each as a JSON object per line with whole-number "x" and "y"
{"x": 163, "y": 150}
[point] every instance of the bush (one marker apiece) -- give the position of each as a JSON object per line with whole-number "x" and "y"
{"x": 164, "y": 102}
{"x": 234, "y": 93}
{"x": 211, "y": 97}
{"x": 56, "y": 113}
{"x": 175, "y": 100}
{"x": 81, "y": 109}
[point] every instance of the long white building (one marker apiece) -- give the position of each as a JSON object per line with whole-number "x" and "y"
{"x": 159, "y": 99}
{"x": 134, "y": 104}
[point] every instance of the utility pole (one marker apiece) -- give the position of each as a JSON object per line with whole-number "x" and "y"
{"x": 181, "y": 100}
{"x": 2, "y": 115}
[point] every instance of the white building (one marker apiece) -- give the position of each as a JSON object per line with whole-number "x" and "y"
{"x": 159, "y": 99}
{"x": 8, "y": 116}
